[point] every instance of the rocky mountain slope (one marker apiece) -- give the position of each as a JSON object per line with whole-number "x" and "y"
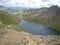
{"x": 47, "y": 16}
{"x": 14, "y": 37}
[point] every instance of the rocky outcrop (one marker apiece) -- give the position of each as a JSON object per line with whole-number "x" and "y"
{"x": 24, "y": 38}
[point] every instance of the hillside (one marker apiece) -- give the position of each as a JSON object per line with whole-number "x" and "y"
{"x": 48, "y": 16}
{"x": 8, "y": 18}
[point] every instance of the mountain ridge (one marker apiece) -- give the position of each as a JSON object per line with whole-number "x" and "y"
{"x": 49, "y": 16}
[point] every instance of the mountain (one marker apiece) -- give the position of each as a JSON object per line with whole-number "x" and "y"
{"x": 1, "y": 6}
{"x": 12, "y": 9}
{"x": 15, "y": 9}
{"x": 47, "y": 16}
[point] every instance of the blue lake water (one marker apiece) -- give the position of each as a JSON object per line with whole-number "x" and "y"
{"x": 35, "y": 28}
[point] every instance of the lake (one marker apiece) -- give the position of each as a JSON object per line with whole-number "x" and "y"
{"x": 35, "y": 28}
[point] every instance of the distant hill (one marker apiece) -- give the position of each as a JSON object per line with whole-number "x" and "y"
{"x": 1, "y": 6}
{"x": 15, "y": 9}
{"x": 12, "y": 9}
{"x": 48, "y": 16}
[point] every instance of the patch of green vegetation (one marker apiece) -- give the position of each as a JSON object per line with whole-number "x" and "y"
{"x": 8, "y": 18}
{"x": 19, "y": 29}
{"x": 15, "y": 28}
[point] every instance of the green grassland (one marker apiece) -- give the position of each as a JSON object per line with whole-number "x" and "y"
{"x": 8, "y": 18}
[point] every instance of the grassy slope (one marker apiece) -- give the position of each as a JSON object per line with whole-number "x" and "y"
{"x": 8, "y": 18}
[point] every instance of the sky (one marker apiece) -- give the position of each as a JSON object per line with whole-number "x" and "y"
{"x": 29, "y": 3}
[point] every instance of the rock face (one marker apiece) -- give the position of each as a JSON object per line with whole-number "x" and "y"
{"x": 24, "y": 38}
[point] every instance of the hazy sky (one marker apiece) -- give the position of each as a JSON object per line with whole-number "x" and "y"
{"x": 30, "y": 3}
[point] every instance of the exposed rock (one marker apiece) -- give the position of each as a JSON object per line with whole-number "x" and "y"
{"x": 24, "y": 38}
